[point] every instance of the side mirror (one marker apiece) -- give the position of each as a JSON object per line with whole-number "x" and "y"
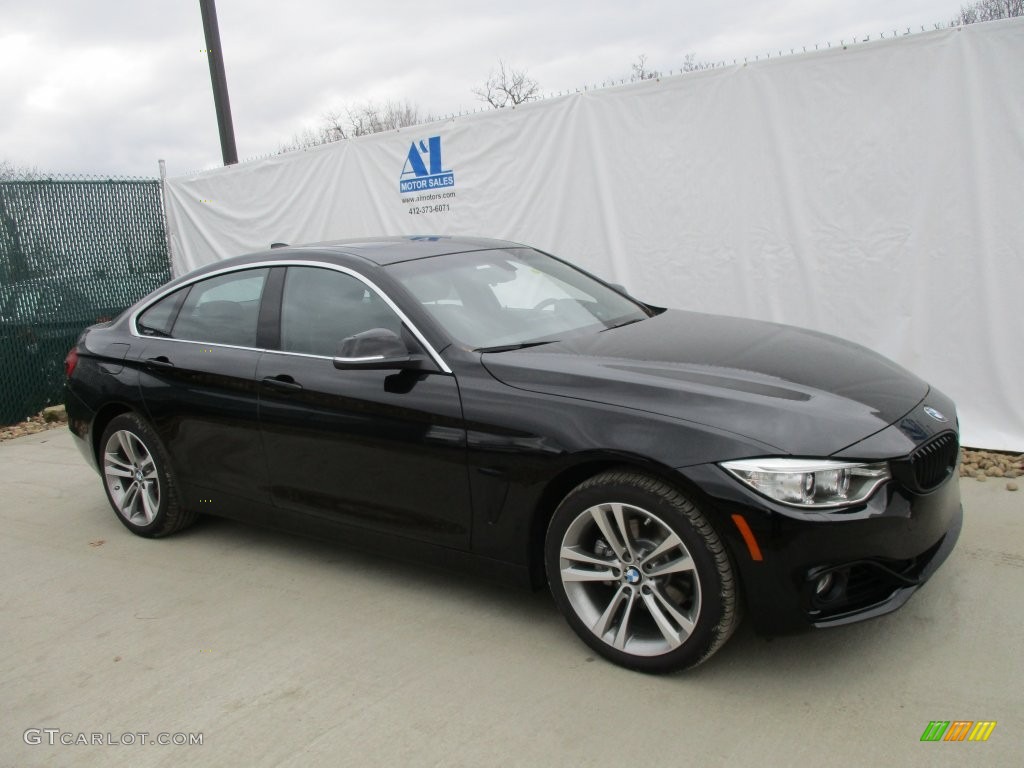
{"x": 375, "y": 350}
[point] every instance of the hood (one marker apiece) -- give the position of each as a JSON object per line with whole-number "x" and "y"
{"x": 803, "y": 392}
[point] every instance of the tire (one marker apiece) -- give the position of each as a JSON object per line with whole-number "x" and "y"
{"x": 138, "y": 478}
{"x": 640, "y": 574}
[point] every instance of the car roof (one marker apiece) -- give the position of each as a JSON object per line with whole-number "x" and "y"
{"x": 378, "y": 251}
{"x": 392, "y": 250}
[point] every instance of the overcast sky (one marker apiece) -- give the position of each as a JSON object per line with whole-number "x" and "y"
{"x": 108, "y": 87}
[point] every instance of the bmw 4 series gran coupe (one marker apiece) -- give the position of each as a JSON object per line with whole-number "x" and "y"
{"x": 483, "y": 404}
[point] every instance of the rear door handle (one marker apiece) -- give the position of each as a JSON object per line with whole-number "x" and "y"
{"x": 159, "y": 362}
{"x": 284, "y": 381}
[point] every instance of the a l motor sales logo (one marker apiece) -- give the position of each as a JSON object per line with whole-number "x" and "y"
{"x": 423, "y": 169}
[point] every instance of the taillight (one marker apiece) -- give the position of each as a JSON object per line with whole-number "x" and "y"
{"x": 70, "y": 362}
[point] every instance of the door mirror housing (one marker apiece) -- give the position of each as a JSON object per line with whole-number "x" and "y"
{"x": 376, "y": 349}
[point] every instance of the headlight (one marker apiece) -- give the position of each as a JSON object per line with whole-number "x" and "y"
{"x": 813, "y": 483}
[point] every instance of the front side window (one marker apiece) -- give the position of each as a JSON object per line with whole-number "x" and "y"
{"x": 222, "y": 310}
{"x": 322, "y": 307}
{"x": 513, "y": 297}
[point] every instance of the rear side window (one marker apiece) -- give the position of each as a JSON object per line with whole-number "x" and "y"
{"x": 158, "y": 319}
{"x": 223, "y": 309}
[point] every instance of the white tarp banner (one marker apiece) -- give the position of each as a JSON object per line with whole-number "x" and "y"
{"x": 873, "y": 192}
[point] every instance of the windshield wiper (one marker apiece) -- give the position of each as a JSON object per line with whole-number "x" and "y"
{"x": 624, "y": 322}
{"x": 510, "y": 347}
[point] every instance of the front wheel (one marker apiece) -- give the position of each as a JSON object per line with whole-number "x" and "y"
{"x": 138, "y": 478}
{"x": 640, "y": 574}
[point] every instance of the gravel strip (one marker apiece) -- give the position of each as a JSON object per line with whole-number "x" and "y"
{"x": 53, "y": 417}
{"x": 992, "y": 465}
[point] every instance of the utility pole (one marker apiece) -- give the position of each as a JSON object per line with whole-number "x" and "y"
{"x": 219, "y": 80}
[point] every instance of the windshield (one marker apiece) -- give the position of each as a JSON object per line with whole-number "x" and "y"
{"x": 512, "y": 297}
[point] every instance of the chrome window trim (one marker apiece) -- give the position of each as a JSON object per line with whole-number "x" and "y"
{"x": 205, "y": 343}
{"x": 368, "y": 359}
{"x": 133, "y": 327}
{"x": 296, "y": 354}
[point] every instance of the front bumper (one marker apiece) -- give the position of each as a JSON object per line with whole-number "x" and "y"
{"x": 919, "y": 571}
{"x": 875, "y": 556}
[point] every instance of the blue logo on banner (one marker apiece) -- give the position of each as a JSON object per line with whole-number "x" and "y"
{"x": 418, "y": 175}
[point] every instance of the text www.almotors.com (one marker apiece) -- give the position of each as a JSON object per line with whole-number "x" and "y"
{"x": 57, "y": 737}
{"x": 427, "y": 196}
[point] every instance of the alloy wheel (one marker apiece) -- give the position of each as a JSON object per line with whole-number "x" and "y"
{"x": 131, "y": 475}
{"x": 630, "y": 578}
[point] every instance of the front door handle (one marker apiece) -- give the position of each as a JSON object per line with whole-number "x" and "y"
{"x": 284, "y": 381}
{"x": 159, "y": 362}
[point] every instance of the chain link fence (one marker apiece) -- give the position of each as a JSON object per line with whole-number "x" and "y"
{"x": 73, "y": 252}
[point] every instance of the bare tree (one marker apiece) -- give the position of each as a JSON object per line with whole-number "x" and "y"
{"x": 332, "y": 128}
{"x": 374, "y": 118}
{"x": 508, "y": 87}
{"x": 640, "y": 70}
{"x": 358, "y": 120}
{"x": 13, "y": 260}
{"x": 988, "y": 10}
{"x": 307, "y": 138}
{"x": 690, "y": 64}
{"x": 11, "y": 172}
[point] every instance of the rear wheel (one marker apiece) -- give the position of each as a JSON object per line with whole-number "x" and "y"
{"x": 640, "y": 574}
{"x": 138, "y": 478}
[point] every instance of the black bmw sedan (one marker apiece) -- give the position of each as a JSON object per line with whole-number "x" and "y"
{"x": 479, "y": 403}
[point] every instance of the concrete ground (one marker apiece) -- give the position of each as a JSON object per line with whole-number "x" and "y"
{"x": 287, "y": 652}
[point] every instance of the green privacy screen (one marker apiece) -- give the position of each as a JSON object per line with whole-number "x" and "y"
{"x": 73, "y": 252}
